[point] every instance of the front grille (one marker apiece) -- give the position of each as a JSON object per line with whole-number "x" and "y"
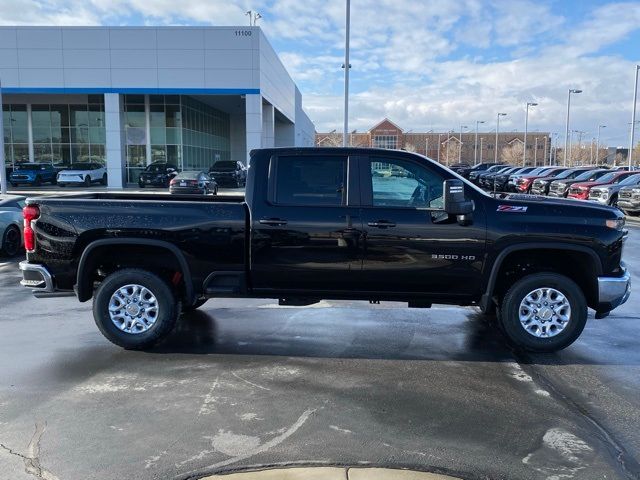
{"x": 574, "y": 191}
{"x": 624, "y": 194}
{"x": 594, "y": 194}
{"x": 20, "y": 177}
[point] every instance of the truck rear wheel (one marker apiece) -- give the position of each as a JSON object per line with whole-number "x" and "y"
{"x": 543, "y": 312}
{"x": 135, "y": 308}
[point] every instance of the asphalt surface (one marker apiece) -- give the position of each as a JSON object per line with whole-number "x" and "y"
{"x": 243, "y": 383}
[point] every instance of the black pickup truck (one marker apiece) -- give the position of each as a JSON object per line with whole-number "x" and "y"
{"x": 331, "y": 223}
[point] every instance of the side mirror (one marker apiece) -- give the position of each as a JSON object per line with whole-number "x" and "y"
{"x": 455, "y": 202}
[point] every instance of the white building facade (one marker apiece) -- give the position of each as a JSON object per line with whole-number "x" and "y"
{"x": 128, "y": 96}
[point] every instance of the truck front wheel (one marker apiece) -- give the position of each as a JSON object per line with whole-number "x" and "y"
{"x": 543, "y": 312}
{"x": 135, "y": 308}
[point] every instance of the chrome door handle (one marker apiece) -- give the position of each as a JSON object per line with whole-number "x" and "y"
{"x": 273, "y": 222}
{"x": 381, "y": 224}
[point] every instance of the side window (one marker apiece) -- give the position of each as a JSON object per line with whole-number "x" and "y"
{"x": 307, "y": 180}
{"x": 400, "y": 183}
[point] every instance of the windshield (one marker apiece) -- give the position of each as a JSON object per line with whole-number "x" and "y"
{"x": 589, "y": 175}
{"x": 632, "y": 180}
{"x": 224, "y": 165}
{"x": 565, "y": 174}
{"x": 188, "y": 175}
{"x": 157, "y": 168}
{"x": 31, "y": 166}
{"x": 80, "y": 166}
{"x": 609, "y": 177}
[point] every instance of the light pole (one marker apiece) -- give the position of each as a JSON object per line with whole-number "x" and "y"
{"x": 526, "y": 127}
{"x": 475, "y": 144}
{"x": 346, "y": 67}
{"x": 439, "y": 146}
{"x": 633, "y": 117}
{"x": 497, "y": 132}
{"x": 481, "y": 140}
{"x": 598, "y": 143}
{"x": 460, "y": 150}
{"x": 535, "y": 153}
{"x": 3, "y": 165}
{"x": 566, "y": 136}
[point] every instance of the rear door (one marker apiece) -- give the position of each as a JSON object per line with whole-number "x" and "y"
{"x": 306, "y": 234}
{"x": 410, "y": 244}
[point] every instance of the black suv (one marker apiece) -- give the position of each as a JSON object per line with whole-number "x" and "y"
{"x": 229, "y": 172}
{"x": 157, "y": 174}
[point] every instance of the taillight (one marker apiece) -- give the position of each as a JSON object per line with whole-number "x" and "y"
{"x": 30, "y": 213}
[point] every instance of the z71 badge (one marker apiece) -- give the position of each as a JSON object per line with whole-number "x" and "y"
{"x": 512, "y": 208}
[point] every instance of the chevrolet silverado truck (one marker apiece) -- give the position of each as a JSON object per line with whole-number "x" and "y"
{"x": 331, "y": 223}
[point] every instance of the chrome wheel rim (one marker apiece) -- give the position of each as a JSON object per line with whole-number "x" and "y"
{"x": 133, "y": 309}
{"x": 544, "y": 312}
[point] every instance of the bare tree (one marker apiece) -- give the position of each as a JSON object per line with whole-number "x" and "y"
{"x": 512, "y": 154}
{"x": 450, "y": 152}
{"x": 332, "y": 139}
{"x": 410, "y": 147}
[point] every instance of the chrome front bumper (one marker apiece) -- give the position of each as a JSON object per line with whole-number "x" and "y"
{"x": 613, "y": 291}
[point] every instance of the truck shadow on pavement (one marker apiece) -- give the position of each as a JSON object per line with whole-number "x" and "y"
{"x": 473, "y": 339}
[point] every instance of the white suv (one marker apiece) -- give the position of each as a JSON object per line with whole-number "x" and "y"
{"x": 83, "y": 174}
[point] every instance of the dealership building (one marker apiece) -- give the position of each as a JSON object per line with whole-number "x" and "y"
{"x": 128, "y": 96}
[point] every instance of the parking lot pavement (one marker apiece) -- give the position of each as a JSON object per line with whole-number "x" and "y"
{"x": 243, "y": 383}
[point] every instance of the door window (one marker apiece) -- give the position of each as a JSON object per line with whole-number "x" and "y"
{"x": 306, "y": 180}
{"x": 404, "y": 184}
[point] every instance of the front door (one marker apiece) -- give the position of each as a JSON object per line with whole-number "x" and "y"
{"x": 410, "y": 244}
{"x": 307, "y": 236}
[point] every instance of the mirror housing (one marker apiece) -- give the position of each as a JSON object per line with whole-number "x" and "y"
{"x": 455, "y": 202}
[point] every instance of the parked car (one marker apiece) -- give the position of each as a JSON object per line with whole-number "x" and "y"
{"x": 83, "y": 174}
{"x": 157, "y": 174}
{"x": 560, "y": 188}
{"x": 193, "y": 182}
{"x": 229, "y": 172}
{"x": 457, "y": 167}
{"x": 11, "y": 224}
{"x": 540, "y": 186}
{"x": 487, "y": 180}
{"x": 581, "y": 190}
{"x": 511, "y": 183}
{"x": 501, "y": 180}
{"x": 300, "y": 235}
{"x": 629, "y": 200}
{"x": 480, "y": 167}
{"x": 608, "y": 194}
{"x": 474, "y": 174}
{"x": 524, "y": 182}
{"x": 491, "y": 171}
{"x": 34, "y": 174}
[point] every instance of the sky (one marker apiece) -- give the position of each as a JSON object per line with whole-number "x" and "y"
{"x": 424, "y": 64}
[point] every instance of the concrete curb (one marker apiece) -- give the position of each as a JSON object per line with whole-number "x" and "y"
{"x": 332, "y": 473}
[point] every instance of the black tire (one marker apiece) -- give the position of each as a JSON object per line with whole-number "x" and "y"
{"x": 87, "y": 181}
{"x": 215, "y": 190}
{"x": 37, "y": 182}
{"x": 168, "y": 308}
{"x": 195, "y": 306}
{"x": 613, "y": 201}
{"x": 61, "y": 185}
{"x": 10, "y": 241}
{"x": 140, "y": 184}
{"x": 54, "y": 181}
{"x": 14, "y": 185}
{"x": 510, "y": 313}
{"x": 104, "y": 179}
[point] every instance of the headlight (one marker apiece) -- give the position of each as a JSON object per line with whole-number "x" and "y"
{"x": 616, "y": 223}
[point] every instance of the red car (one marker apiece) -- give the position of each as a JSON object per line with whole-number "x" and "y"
{"x": 581, "y": 190}
{"x": 523, "y": 184}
